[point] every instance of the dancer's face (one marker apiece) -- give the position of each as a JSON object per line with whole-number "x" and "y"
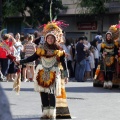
{"x": 108, "y": 36}
{"x": 50, "y": 39}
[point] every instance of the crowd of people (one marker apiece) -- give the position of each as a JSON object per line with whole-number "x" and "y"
{"x": 82, "y": 61}
{"x": 50, "y": 60}
{"x": 83, "y": 57}
{"x": 23, "y": 46}
{"x": 97, "y": 60}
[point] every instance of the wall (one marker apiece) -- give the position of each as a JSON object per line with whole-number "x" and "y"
{"x": 73, "y": 32}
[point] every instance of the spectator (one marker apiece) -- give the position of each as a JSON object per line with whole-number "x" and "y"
{"x": 81, "y": 61}
{"x": 98, "y": 38}
{"x": 69, "y": 59}
{"x": 12, "y": 68}
{"x": 73, "y": 54}
{"x": 38, "y": 38}
{"x": 88, "y": 68}
{"x": 96, "y": 54}
{"x": 29, "y": 49}
{"x": 24, "y": 68}
{"x": 18, "y": 45}
{"x": 8, "y": 41}
{"x": 86, "y": 43}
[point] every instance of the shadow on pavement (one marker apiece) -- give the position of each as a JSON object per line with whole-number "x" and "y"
{"x": 34, "y": 117}
{"x": 26, "y": 117}
{"x": 22, "y": 89}
{"x": 90, "y": 89}
{"x": 86, "y": 89}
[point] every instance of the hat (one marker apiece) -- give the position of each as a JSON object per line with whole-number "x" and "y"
{"x": 109, "y": 33}
{"x": 98, "y": 38}
{"x": 115, "y": 31}
{"x": 54, "y": 28}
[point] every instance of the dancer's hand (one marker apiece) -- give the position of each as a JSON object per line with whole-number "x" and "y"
{"x": 67, "y": 55}
{"x": 104, "y": 54}
{"x": 66, "y": 80}
{"x": 116, "y": 57}
{"x": 17, "y": 62}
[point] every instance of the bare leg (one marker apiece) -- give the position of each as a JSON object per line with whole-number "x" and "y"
{"x": 24, "y": 73}
{"x": 32, "y": 70}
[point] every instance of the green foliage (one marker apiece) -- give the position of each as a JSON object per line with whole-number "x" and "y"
{"x": 39, "y": 10}
{"x": 94, "y": 6}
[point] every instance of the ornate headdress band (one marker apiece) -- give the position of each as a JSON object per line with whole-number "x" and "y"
{"x": 54, "y": 28}
{"x": 115, "y": 31}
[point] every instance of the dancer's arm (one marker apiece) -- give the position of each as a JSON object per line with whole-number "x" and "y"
{"x": 65, "y": 69}
{"x": 29, "y": 59}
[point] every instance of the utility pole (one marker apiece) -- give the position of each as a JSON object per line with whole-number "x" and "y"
{"x": 0, "y": 14}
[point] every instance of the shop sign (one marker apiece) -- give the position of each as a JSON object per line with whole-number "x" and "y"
{"x": 87, "y": 26}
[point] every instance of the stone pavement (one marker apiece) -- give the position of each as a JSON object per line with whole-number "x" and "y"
{"x": 5, "y": 113}
{"x": 85, "y": 102}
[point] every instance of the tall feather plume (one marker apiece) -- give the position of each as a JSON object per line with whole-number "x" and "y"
{"x": 51, "y": 11}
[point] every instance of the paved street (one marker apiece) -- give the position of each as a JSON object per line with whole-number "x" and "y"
{"x": 85, "y": 102}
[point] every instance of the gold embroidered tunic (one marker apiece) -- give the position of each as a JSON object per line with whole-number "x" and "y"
{"x": 111, "y": 51}
{"x": 48, "y": 73}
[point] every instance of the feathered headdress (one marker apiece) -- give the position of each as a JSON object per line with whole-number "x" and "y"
{"x": 115, "y": 31}
{"x": 54, "y": 27}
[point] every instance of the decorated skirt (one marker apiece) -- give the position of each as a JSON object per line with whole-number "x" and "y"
{"x": 48, "y": 77}
{"x": 62, "y": 110}
{"x": 107, "y": 65}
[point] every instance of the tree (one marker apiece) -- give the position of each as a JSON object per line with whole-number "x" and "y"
{"x": 94, "y": 7}
{"x": 39, "y": 10}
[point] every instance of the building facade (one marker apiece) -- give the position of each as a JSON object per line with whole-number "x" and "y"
{"x": 88, "y": 25}
{"x": 79, "y": 25}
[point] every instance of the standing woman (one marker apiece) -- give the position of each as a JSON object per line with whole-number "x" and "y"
{"x": 29, "y": 49}
{"x": 12, "y": 68}
{"x": 51, "y": 73}
{"x": 8, "y": 41}
{"x": 109, "y": 52}
{"x": 96, "y": 54}
{"x": 18, "y": 44}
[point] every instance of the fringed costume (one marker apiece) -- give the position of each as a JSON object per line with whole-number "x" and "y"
{"x": 50, "y": 75}
{"x": 109, "y": 49}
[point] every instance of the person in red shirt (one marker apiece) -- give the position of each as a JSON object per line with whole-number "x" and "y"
{"x": 9, "y": 41}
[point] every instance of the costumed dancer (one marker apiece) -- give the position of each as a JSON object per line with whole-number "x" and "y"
{"x": 109, "y": 51}
{"x": 115, "y": 35}
{"x": 51, "y": 73}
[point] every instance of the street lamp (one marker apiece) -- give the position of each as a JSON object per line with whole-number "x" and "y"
{"x": 0, "y": 14}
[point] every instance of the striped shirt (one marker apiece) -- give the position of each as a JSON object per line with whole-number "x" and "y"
{"x": 29, "y": 49}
